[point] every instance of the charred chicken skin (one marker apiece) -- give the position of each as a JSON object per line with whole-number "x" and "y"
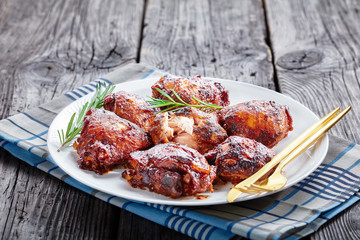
{"x": 264, "y": 121}
{"x": 205, "y": 90}
{"x": 188, "y": 126}
{"x": 237, "y": 158}
{"x": 107, "y": 140}
{"x": 170, "y": 169}
{"x": 131, "y": 107}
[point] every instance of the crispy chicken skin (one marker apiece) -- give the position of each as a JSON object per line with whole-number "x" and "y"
{"x": 264, "y": 121}
{"x": 107, "y": 140}
{"x": 131, "y": 107}
{"x": 205, "y": 90}
{"x": 188, "y": 126}
{"x": 237, "y": 158}
{"x": 170, "y": 169}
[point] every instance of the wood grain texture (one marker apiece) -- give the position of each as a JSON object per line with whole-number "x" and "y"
{"x": 35, "y": 205}
{"x": 52, "y": 46}
{"x": 316, "y": 49}
{"x": 223, "y": 39}
{"x": 48, "y": 48}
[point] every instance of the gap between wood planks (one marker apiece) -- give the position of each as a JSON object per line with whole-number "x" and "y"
{"x": 268, "y": 43}
{"x": 141, "y": 31}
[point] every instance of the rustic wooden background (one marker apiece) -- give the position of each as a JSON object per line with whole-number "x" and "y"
{"x": 308, "y": 50}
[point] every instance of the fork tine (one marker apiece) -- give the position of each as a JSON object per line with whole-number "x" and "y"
{"x": 271, "y": 188}
{"x": 301, "y": 143}
{"x": 248, "y": 190}
{"x": 306, "y": 144}
{"x": 259, "y": 187}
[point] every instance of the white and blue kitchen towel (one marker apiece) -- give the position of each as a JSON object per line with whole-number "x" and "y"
{"x": 292, "y": 213}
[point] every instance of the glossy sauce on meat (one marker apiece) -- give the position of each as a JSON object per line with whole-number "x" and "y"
{"x": 170, "y": 169}
{"x": 205, "y": 90}
{"x": 237, "y": 158}
{"x": 131, "y": 107}
{"x": 264, "y": 121}
{"x": 175, "y": 166}
{"x": 107, "y": 140}
{"x": 188, "y": 126}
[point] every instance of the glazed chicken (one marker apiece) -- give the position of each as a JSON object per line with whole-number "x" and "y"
{"x": 264, "y": 121}
{"x": 131, "y": 107}
{"x": 170, "y": 169}
{"x": 205, "y": 90}
{"x": 107, "y": 140}
{"x": 237, "y": 158}
{"x": 188, "y": 126}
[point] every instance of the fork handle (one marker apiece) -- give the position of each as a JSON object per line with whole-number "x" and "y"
{"x": 314, "y": 128}
{"x": 315, "y": 132}
{"x": 314, "y": 137}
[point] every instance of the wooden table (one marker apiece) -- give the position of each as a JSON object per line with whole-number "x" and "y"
{"x": 309, "y": 50}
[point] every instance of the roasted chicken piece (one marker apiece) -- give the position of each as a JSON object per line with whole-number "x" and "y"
{"x": 264, "y": 121}
{"x": 131, "y": 107}
{"x": 170, "y": 169}
{"x": 237, "y": 158}
{"x": 107, "y": 140}
{"x": 188, "y": 126}
{"x": 205, "y": 90}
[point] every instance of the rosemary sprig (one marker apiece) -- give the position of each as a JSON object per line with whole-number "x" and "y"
{"x": 172, "y": 105}
{"x": 76, "y": 122}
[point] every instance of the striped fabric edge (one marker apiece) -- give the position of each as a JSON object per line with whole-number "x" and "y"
{"x": 315, "y": 225}
{"x": 196, "y": 213}
{"x": 35, "y": 142}
{"x": 332, "y": 203}
{"x": 55, "y": 171}
{"x": 301, "y": 187}
{"x": 192, "y": 227}
{"x": 179, "y": 219}
{"x": 212, "y": 215}
{"x": 86, "y": 89}
{"x": 45, "y": 163}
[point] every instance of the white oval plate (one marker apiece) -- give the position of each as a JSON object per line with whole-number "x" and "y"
{"x": 114, "y": 184}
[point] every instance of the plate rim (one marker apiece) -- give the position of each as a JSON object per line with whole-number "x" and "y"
{"x": 180, "y": 202}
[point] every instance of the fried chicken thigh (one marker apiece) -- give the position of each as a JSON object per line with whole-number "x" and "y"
{"x": 188, "y": 126}
{"x": 264, "y": 121}
{"x": 237, "y": 158}
{"x": 107, "y": 140}
{"x": 205, "y": 90}
{"x": 170, "y": 169}
{"x": 131, "y": 107}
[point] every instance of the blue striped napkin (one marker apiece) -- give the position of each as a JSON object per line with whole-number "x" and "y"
{"x": 291, "y": 214}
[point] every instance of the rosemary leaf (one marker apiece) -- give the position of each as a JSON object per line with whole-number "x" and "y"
{"x": 61, "y": 138}
{"x": 168, "y": 109}
{"x": 207, "y": 104}
{"x": 82, "y": 113}
{"x": 70, "y": 125}
{"x": 173, "y": 105}
{"x": 76, "y": 121}
{"x": 159, "y": 105}
{"x": 178, "y": 97}
{"x": 165, "y": 94}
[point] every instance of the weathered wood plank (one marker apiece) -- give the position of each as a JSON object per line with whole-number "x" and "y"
{"x": 66, "y": 45}
{"x": 48, "y": 48}
{"x": 135, "y": 227}
{"x": 316, "y": 47}
{"x": 35, "y": 205}
{"x": 223, "y": 39}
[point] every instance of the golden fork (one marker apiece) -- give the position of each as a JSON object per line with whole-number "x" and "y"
{"x": 295, "y": 148}
{"x": 277, "y": 180}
